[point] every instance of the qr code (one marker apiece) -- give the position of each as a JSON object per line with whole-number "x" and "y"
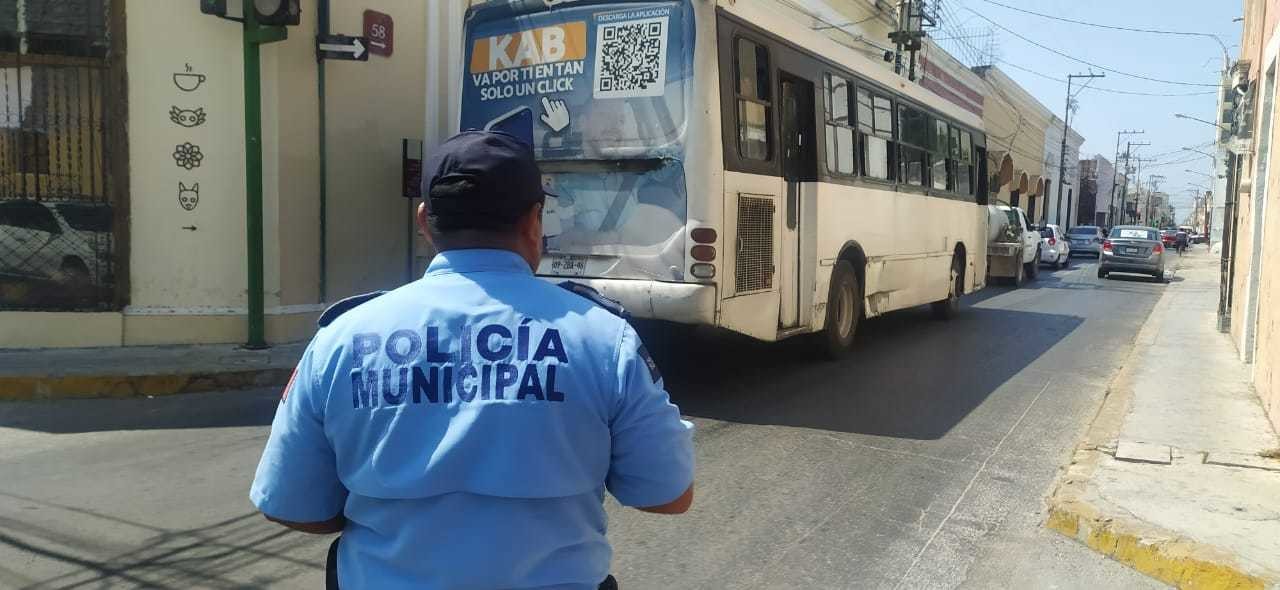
{"x": 631, "y": 59}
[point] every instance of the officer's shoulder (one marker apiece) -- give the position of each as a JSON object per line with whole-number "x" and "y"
{"x": 343, "y": 306}
{"x": 595, "y": 297}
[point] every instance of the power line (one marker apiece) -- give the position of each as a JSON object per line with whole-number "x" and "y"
{"x": 1191, "y": 159}
{"x": 1099, "y": 25}
{"x": 1088, "y": 63}
{"x": 1111, "y": 90}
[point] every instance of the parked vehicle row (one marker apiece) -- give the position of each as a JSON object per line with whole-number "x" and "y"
{"x": 1017, "y": 247}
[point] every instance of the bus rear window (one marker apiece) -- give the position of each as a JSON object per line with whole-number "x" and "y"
{"x": 601, "y": 81}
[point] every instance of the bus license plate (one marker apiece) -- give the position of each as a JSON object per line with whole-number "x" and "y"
{"x": 569, "y": 265}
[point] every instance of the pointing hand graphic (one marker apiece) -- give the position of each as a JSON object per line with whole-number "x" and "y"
{"x": 556, "y": 115}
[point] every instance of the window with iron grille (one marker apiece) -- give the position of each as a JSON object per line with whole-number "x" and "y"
{"x": 754, "y": 268}
{"x": 58, "y": 247}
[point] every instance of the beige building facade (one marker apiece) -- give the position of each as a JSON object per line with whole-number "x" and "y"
{"x": 172, "y": 156}
{"x": 1254, "y": 249}
{"x": 1015, "y": 124}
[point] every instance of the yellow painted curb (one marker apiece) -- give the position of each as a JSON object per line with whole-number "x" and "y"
{"x": 1170, "y": 562}
{"x": 118, "y": 386}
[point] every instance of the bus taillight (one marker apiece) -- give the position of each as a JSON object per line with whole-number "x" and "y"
{"x": 703, "y": 271}
{"x": 703, "y": 235}
{"x": 703, "y": 253}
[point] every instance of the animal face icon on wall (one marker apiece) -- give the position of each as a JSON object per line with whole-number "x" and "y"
{"x": 188, "y": 197}
{"x": 187, "y": 117}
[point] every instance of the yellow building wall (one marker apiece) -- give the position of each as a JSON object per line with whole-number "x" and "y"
{"x": 371, "y": 107}
{"x": 189, "y": 285}
{"x": 172, "y": 267}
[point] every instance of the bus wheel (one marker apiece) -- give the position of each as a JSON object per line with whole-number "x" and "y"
{"x": 949, "y": 307}
{"x": 844, "y": 309}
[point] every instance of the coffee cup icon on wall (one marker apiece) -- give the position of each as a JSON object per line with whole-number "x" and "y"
{"x": 188, "y": 82}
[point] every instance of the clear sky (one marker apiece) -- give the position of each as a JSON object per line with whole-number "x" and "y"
{"x": 1102, "y": 114}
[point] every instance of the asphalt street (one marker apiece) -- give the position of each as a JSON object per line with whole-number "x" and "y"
{"x": 921, "y": 462}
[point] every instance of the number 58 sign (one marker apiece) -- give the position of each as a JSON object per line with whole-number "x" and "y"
{"x": 379, "y": 30}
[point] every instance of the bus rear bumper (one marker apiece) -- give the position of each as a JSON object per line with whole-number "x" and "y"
{"x": 685, "y": 303}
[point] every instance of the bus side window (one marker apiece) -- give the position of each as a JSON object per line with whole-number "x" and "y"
{"x": 875, "y": 133}
{"x": 913, "y": 141}
{"x": 755, "y": 110}
{"x": 839, "y": 130}
{"x": 938, "y": 155}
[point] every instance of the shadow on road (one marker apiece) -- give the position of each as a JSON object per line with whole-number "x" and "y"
{"x": 196, "y": 410}
{"x": 218, "y": 555}
{"x": 910, "y": 376}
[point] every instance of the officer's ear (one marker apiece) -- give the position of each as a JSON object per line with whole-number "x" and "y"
{"x": 529, "y": 230}
{"x": 424, "y": 225}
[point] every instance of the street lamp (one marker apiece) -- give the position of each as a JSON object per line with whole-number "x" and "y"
{"x": 1215, "y": 158}
{"x": 1182, "y": 116}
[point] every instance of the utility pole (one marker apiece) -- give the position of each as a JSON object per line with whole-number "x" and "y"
{"x": 1062, "y": 153}
{"x": 1151, "y": 193}
{"x": 913, "y": 16}
{"x": 1124, "y": 195}
{"x": 1111, "y": 211}
{"x": 1137, "y": 183}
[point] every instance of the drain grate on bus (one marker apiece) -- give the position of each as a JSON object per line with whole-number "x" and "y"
{"x": 754, "y": 269}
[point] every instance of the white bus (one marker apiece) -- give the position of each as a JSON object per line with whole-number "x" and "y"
{"x": 716, "y": 163}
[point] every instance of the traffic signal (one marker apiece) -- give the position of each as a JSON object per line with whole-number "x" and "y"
{"x": 268, "y": 12}
{"x": 277, "y": 12}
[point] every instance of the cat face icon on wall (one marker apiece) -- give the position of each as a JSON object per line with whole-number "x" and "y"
{"x": 188, "y": 197}
{"x": 187, "y": 117}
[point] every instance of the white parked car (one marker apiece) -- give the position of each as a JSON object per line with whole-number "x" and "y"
{"x": 62, "y": 241}
{"x": 1054, "y": 248}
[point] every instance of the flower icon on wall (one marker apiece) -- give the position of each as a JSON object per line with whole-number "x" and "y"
{"x": 188, "y": 156}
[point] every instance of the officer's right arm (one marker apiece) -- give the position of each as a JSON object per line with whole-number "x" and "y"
{"x": 297, "y": 482}
{"x": 651, "y": 466}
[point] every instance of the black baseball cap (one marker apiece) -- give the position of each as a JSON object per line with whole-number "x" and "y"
{"x": 481, "y": 180}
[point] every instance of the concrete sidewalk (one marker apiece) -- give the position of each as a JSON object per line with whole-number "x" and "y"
{"x": 1170, "y": 479}
{"x": 142, "y": 370}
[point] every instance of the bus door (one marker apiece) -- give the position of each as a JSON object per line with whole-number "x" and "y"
{"x": 799, "y": 173}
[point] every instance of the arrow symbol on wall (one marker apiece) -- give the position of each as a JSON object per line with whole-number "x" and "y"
{"x": 189, "y": 227}
{"x": 341, "y": 46}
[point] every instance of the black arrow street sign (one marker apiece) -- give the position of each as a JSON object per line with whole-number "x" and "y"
{"x": 342, "y": 47}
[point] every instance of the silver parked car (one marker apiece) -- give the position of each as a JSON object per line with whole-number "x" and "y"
{"x": 1132, "y": 248}
{"x": 1086, "y": 239}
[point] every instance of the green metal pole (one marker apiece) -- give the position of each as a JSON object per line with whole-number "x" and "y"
{"x": 253, "y": 178}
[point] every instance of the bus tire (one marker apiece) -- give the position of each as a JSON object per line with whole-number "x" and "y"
{"x": 844, "y": 310}
{"x": 949, "y": 307}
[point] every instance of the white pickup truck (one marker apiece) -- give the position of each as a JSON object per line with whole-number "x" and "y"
{"x": 1013, "y": 245}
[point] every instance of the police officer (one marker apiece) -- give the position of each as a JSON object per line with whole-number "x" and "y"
{"x": 460, "y": 431}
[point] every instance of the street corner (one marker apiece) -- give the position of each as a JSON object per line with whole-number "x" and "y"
{"x": 1078, "y": 509}
{"x": 141, "y": 371}
{"x": 37, "y": 388}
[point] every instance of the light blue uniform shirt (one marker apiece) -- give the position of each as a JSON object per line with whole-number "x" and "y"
{"x": 467, "y": 425}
